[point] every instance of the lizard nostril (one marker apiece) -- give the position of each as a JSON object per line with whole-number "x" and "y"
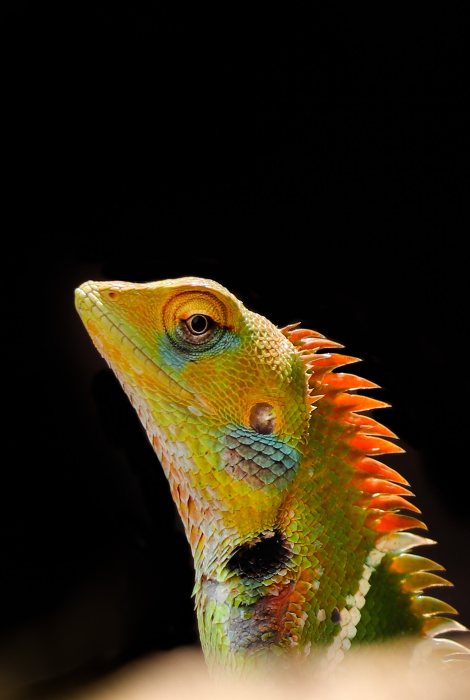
{"x": 112, "y": 295}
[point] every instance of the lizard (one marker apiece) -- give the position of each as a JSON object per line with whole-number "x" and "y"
{"x": 300, "y": 544}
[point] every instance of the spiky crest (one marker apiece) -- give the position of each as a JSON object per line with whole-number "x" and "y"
{"x": 382, "y": 489}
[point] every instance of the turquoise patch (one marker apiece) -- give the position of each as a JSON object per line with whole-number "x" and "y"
{"x": 177, "y": 355}
{"x": 260, "y": 460}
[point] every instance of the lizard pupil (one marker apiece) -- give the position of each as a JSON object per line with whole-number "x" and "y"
{"x": 198, "y": 324}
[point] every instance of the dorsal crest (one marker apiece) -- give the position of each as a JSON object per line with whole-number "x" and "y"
{"x": 383, "y": 491}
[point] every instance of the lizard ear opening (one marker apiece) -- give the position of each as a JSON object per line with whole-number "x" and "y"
{"x": 263, "y": 418}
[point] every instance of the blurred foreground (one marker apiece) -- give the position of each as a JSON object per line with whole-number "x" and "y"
{"x": 375, "y": 673}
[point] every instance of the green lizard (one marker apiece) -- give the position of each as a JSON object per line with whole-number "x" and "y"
{"x": 300, "y": 549}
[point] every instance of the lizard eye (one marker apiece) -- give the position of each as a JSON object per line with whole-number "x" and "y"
{"x": 198, "y": 328}
{"x": 198, "y": 324}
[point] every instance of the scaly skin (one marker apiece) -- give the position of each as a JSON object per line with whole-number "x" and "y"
{"x": 299, "y": 549}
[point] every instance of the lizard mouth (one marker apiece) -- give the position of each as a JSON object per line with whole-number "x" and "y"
{"x": 120, "y": 350}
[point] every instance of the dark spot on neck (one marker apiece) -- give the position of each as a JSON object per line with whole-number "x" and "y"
{"x": 335, "y": 616}
{"x": 261, "y": 557}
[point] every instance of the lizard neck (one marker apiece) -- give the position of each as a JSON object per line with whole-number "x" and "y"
{"x": 284, "y": 555}
{"x": 279, "y": 596}
{"x": 309, "y": 587}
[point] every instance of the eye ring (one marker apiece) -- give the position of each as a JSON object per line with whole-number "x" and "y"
{"x": 199, "y": 324}
{"x": 190, "y": 336}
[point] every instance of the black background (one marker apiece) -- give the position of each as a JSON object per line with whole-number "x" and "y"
{"x": 319, "y": 169}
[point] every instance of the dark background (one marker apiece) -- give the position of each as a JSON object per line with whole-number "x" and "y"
{"x": 318, "y": 168}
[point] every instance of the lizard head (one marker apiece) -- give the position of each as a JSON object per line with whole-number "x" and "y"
{"x": 222, "y": 394}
